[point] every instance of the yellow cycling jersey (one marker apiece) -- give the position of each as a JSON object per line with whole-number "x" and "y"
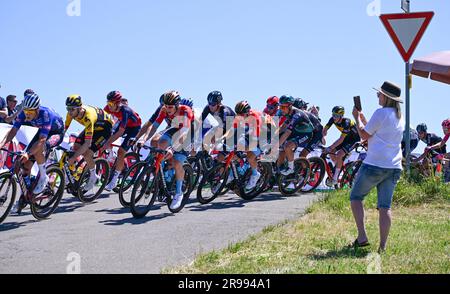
{"x": 94, "y": 119}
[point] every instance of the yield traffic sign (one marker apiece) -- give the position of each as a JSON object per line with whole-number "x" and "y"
{"x": 406, "y": 30}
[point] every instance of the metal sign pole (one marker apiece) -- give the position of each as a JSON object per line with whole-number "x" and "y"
{"x": 407, "y": 8}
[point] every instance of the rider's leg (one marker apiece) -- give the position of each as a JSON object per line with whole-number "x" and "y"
{"x": 339, "y": 163}
{"x": 290, "y": 152}
{"x": 155, "y": 140}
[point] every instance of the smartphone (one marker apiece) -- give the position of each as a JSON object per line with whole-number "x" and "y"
{"x": 357, "y": 100}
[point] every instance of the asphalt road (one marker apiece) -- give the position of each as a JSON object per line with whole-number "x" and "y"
{"x": 103, "y": 237}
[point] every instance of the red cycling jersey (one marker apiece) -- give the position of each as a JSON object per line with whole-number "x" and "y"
{"x": 184, "y": 112}
{"x": 253, "y": 121}
{"x": 126, "y": 116}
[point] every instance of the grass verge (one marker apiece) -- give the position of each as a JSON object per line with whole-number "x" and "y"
{"x": 317, "y": 243}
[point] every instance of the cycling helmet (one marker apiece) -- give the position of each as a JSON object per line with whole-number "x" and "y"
{"x": 286, "y": 100}
{"x": 300, "y": 103}
{"x": 339, "y": 110}
{"x": 274, "y": 100}
{"x": 114, "y": 96}
{"x": 446, "y": 123}
{"x": 422, "y": 128}
{"x": 31, "y": 101}
{"x": 73, "y": 101}
{"x": 242, "y": 107}
{"x": 215, "y": 97}
{"x": 27, "y": 92}
{"x": 187, "y": 102}
{"x": 172, "y": 98}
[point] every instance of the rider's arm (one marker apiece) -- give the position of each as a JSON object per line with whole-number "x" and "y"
{"x": 327, "y": 127}
{"x": 114, "y": 137}
{"x": 338, "y": 142}
{"x": 11, "y": 134}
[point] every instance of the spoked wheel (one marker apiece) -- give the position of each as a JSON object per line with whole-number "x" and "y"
{"x": 212, "y": 183}
{"x": 186, "y": 188}
{"x": 131, "y": 158}
{"x": 46, "y": 203}
{"x": 102, "y": 173}
{"x": 293, "y": 183}
{"x": 128, "y": 180}
{"x": 8, "y": 189}
{"x": 196, "y": 167}
{"x": 142, "y": 195}
{"x": 316, "y": 175}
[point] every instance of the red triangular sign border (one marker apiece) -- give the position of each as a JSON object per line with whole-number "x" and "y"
{"x": 406, "y": 54}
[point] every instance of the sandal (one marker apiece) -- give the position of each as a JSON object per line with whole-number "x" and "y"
{"x": 356, "y": 244}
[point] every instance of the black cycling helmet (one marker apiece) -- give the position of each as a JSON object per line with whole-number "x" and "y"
{"x": 215, "y": 97}
{"x": 339, "y": 110}
{"x": 172, "y": 98}
{"x": 242, "y": 107}
{"x": 422, "y": 128}
{"x": 73, "y": 101}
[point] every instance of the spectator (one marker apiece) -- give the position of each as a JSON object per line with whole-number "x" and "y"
{"x": 3, "y": 110}
{"x": 383, "y": 164}
{"x": 414, "y": 141}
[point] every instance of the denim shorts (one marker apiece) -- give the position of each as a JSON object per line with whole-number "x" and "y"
{"x": 370, "y": 176}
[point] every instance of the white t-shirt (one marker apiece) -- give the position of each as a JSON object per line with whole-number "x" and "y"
{"x": 385, "y": 144}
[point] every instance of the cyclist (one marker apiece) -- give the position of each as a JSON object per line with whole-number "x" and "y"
{"x": 414, "y": 140}
{"x": 272, "y": 106}
{"x": 129, "y": 125}
{"x": 430, "y": 139}
{"x": 97, "y": 131}
{"x": 296, "y": 132}
{"x": 179, "y": 119}
{"x": 345, "y": 144}
{"x": 221, "y": 113}
{"x": 442, "y": 146}
{"x": 300, "y": 104}
{"x": 50, "y": 134}
{"x": 251, "y": 122}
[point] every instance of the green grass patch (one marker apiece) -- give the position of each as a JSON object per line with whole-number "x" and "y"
{"x": 317, "y": 243}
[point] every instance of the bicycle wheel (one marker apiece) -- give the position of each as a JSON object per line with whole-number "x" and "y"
{"x": 142, "y": 196}
{"x": 265, "y": 169}
{"x": 293, "y": 183}
{"x": 348, "y": 176}
{"x": 102, "y": 171}
{"x": 212, "y": 183}
{"x": 197, "y": 171}
{"x": 8, "y": 189}
{"x": 186, "y": 188}
{"x": 131, "y": 158}
{"x": 43, "y": 205}
{"x": 316, "y": 175}
{"x": 129, "y": 179}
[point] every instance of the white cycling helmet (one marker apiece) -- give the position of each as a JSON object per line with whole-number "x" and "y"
{"x": 31, "y": 101}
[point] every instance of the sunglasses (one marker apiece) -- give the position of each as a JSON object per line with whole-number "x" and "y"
{"x": 270, "y": 106}
{"x": 70, "y": 109}
{"x": 213, "y": 104}
{"x": 29, "y": 111}
{"x": 337, "y": 116}
{"x": 111, "y": 104}
{"x": 170, "y": 106}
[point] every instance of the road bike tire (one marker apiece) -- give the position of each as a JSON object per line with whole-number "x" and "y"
{"x": 316, "y": 175}
{"x": 299, "y": 177}
{"x": 102, "y": 167}
{"x": 129, "y": 179}
{"x": 216, "y": 177}
{"x": 145, "y": 188}
{"x": 7, "y": 185}
{"x": 42, "y": 211}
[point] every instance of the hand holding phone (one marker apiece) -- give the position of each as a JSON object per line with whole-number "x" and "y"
{"x": 357, "y": 100}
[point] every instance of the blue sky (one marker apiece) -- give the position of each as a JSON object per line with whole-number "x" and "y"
{"x": 323, "y": 51}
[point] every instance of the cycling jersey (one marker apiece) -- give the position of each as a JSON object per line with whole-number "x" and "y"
{"x": 221, "y": 115}
{"x": 347, "y": 127}
{"x": 432, "y": 139}
{"x": 298, "y": 123}
{"x": 252, "y": 123}
{"x": 315, "y": 122}
{"x": 446, "y": 138}
{"x": 94, "y": 119}
{"x": 47, "y": 120}
{"x": 126, "y": 116}
{"x": 183, "y": 112}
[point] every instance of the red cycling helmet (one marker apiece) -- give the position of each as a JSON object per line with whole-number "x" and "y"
{"x": 114, "y": 96}
{"x": 274, "y": 100}
{"x": 446, "y": 123}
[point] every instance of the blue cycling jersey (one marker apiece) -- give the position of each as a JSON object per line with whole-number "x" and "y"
{"x": 47, "y": 120}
